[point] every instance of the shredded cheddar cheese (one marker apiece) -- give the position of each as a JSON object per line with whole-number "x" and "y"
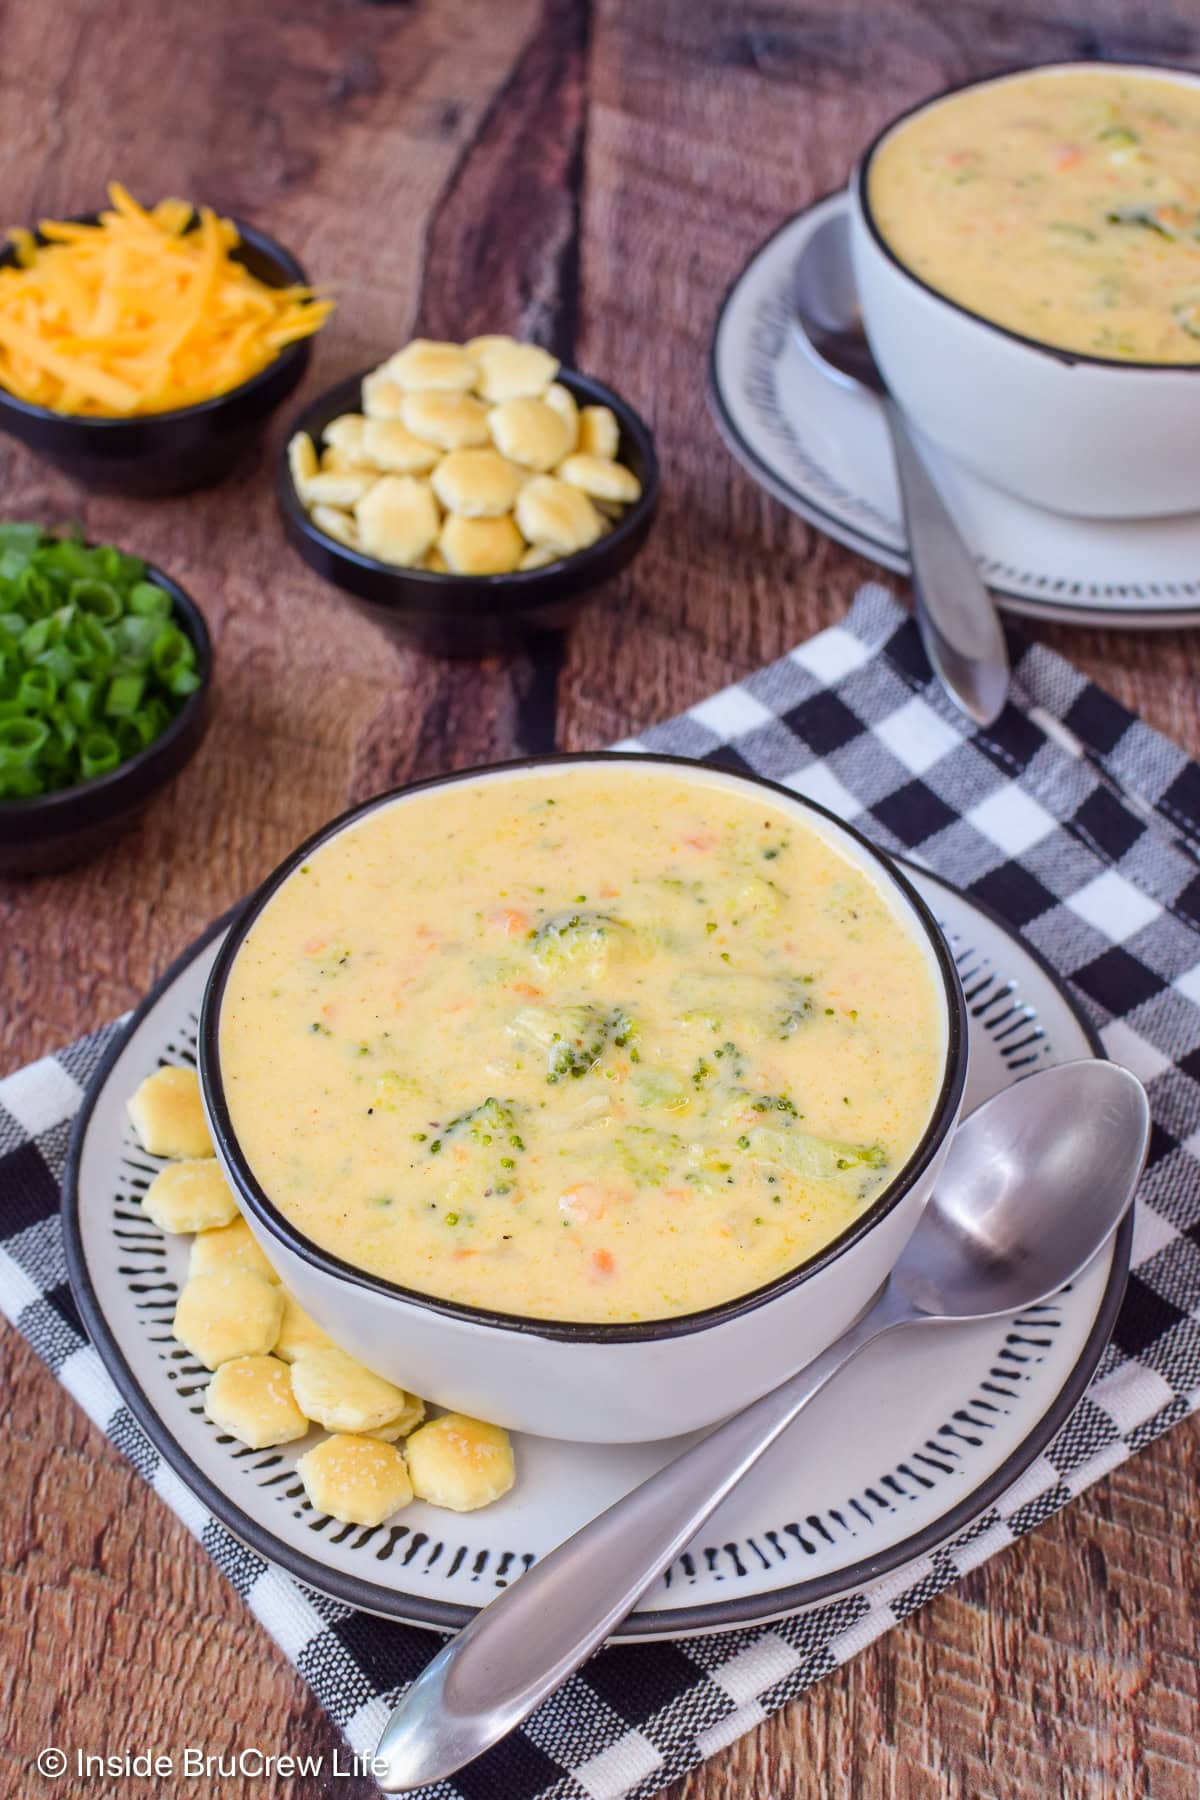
{"x": 144, "y": 312}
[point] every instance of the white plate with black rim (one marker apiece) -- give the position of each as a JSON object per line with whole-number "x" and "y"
{"x": 822, "y": 448}
{"x": 914, "y": 1441}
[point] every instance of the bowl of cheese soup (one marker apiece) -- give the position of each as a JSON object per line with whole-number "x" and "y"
{"x": 590, "y": 1094}
{"x": 1027, "y": 251}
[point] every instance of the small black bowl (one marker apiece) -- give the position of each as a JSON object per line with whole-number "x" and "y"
{"x": 473, "y": 615}
{"x": 47, "y": 832}
{"x": 155, "y": 454}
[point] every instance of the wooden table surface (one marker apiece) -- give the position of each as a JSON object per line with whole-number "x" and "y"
{"x": 593, "y": 175}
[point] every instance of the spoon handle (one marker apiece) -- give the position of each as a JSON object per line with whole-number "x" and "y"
{"x": 536, "y": 1634}
{"x": 959, "y": 625}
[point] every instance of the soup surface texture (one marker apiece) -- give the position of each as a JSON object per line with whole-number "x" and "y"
{"x": 607, "y": 1044}
{"x": 1065, "y": 206}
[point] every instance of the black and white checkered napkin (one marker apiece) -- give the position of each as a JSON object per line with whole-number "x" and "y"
{"x": 1078, "y": 824}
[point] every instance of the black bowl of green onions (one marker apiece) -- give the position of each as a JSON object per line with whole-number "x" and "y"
{"x": 105, "y": 667}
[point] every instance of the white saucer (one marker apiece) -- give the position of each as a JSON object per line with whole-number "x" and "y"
{"x": 822, "y": 449}
{"x": 913, "y": 1442}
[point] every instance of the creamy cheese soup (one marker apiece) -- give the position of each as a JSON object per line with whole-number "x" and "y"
{"x": 1065, "y": 206}
{"x": 607, "y": 1044}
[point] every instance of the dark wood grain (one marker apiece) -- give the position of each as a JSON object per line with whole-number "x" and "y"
{"x": 596, "y": 175}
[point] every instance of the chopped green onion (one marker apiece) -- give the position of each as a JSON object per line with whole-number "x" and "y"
{"x": 37, "y": 690}
{"x": 35, "y": 639}
{"x": 89, "y": 641}
{"x": 124, "y": 696}
{"x": 150, "y": 601}
{"x": 53, "y": 758}
{"x": 134, "y": 638}
{"x": 94, "y": 663}
{"x": 57, "y": 661}
{"x": 98, "y": 753}
{"x": 64, "y": 725}
{"x": 72, "y": 558}
{"x": 99, "y": 598}
{"x": 35, "y": 592}
{"x": 81, "y": 701}
{"x": 181, "y": 683}
{"x": 156, "y": 716}
{"x": 171, "y": 651}
{"x": 20, "y": 783}
{"x": 21, "y": 740}
{"x": 132, "y": 734}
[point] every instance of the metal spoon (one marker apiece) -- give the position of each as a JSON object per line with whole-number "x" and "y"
{"x": 958, "y": 622}
{"x": 1035, "y": 1182}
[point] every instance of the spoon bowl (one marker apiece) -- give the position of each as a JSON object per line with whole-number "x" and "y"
{"x": 825, "y": 296}
{"x": 1035, "y": 1183}
{"x": 987, "y": 1242}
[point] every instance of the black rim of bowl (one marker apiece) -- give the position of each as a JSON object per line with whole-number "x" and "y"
{"x": 943, "y": 1112}
{"x": 861, "y": 176}
{"x": 475, "y": 593}
{"x": 44, "y": 807}
{"x": 293, "y": 275}
{"x": 443, "y": 1615}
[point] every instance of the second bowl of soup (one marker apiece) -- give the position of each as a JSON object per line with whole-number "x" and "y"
{"x": 1028, "y": 260}
{"x": 592, "y": 1094}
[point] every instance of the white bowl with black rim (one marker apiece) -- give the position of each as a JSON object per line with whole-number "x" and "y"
{"x": 601, "y": 1382}
{"x": 1076, "y": 433}
{"x": 922, "y": 1435}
